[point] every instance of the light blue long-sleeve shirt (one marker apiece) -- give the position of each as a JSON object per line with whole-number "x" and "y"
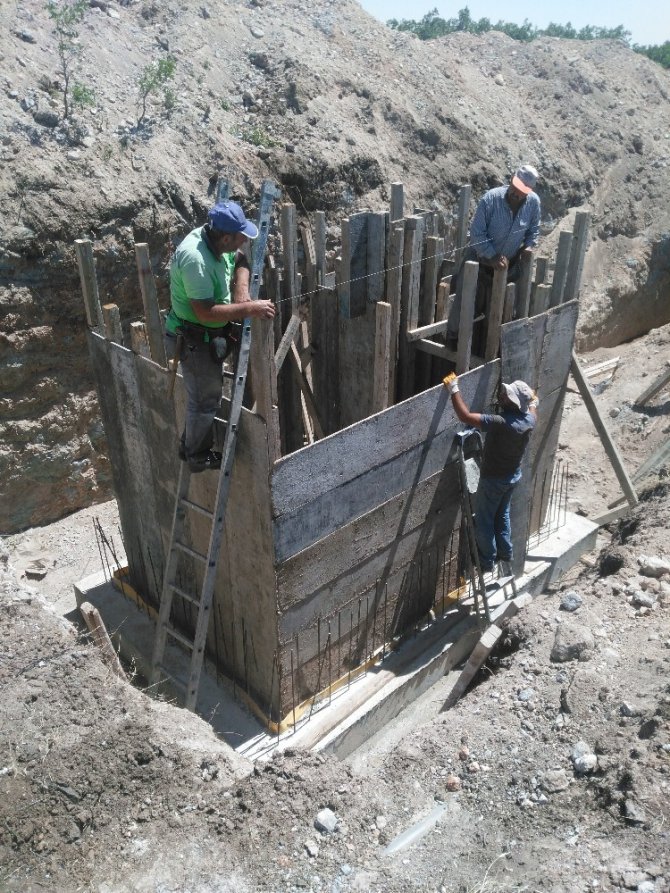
{"x": 496, "y": 229}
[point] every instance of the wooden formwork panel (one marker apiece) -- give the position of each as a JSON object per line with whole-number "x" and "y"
{"x": 142, "y": 427}
{"x": 141, "y": 465}
{"x": 364, "y": 515}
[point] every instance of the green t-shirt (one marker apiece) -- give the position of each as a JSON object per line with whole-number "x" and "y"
{"x": 197, "y": 275}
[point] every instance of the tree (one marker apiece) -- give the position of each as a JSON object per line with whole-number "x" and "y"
{"x": 660, "y": 54}
{"x": 66, "y": 16}
{"x": 154, "y": 76}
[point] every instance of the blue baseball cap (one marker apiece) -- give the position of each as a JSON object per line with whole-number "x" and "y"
{"x": 228, "y": 217}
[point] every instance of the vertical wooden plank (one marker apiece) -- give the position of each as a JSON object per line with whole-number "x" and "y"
{"x": 358, "y": 263}
{"x": 397, "y": 208}
{"x": 89, "y": 282}
{"x": 409, "y": 308}
{"x": 290, "y": 254}
{"x": 138, "y": 339}
{"x": 380, "y": 388}
{"x": 320, "y": 246}
{"x": 152, "y": 316}
{"x": 469, "y": 280}
{"x": 580, "y": 236}
{"x": 541, "y": 299}
{"x": 434, "y": 258}
{"x": 523, "y": 284}
{"x": 310, "y": 257}
{"x": 112, "y": 322}
{"x": 376, "y": 250}
{"x": 264, "y": 382}
{"x": 561, "y": 267}
{"x": 343, "y": 271}
{"x": 442, "y": 302}
{"x": 432, "y": 266}
{"x": 394, "y": 298}
{"x": 510, "y": 301}
{"x": 325, "y": 337}
{"x": 495, "y": 315}
{"x": 541, "y": 270}
{"x": 461, "y": 235}
{"x": 290, "y": 403}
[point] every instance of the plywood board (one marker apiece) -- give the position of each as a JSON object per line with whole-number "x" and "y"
{"x": 342, "y": 458}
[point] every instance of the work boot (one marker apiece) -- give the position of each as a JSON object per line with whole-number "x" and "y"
{"x": 204, "y": 461}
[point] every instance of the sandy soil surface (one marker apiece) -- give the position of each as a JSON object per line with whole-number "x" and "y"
{"x": 551, "y": 774}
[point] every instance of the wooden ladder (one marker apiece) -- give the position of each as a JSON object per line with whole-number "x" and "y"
{"x": 183, "y": 505}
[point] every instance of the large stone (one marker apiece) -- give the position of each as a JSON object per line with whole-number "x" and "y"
{"x": 572, "y": 642}
{"x": 650, "y": 566}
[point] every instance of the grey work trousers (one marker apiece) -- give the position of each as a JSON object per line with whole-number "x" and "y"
{"x": 203, "y": 381}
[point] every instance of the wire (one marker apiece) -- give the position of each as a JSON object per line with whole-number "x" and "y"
{"x": 309, "y": 294}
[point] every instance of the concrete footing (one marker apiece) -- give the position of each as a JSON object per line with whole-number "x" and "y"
{"x": 344, "y": 720}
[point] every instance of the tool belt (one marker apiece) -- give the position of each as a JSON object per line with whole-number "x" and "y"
{"x": 201, "y": 334}
{"x": 220, "y": 340}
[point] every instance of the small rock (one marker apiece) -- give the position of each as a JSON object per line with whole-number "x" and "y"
{"x": 571, "y": 601}
{"x": 646, "y": 887}
{"x": 499, "y": 80}
{"x": 205, "y": 13}
{"x": 453, "y": 783}
{"x": 643, "y": 599}
{"x": 27, "y": 36}
{"x": 651, "y": 566}
{"x": 312, "y": 849}
{"x": 381, "y": 822}
{"x": 634, "y": 813}
{"x": 326, "y": 821}
{"x": 526, "y": 694}
{"x": 257, "y": 32}
{"x": 555, "y": 780}
{"x": 113, "y": 14}
{"x": 627, "y": 709}
{"x": 586, "y": 764}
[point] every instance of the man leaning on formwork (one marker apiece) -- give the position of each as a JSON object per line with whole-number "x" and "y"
{"x": 507, "y": 436}
{"x": 506, "y": 224}
{"x": 208, "y": 270}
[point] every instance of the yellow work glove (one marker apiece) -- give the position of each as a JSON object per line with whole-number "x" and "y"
{"x": 451, "y": 382}
{"x": 535, "y": 401}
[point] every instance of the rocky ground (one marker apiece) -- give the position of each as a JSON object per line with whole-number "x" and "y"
{"x": 553, "y": 773}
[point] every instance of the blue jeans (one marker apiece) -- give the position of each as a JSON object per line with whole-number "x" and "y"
{"x": 203, "y": 382}
{"x": 493, "y": 530}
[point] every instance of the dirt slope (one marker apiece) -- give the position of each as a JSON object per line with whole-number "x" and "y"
{"x": 335, "y": 107}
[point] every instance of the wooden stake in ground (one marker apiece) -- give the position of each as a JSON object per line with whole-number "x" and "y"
{"x": 101, "y": 638}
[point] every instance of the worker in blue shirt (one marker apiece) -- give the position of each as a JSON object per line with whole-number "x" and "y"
{"x": 506, "y": 223}
{"x": 507, "y": 436}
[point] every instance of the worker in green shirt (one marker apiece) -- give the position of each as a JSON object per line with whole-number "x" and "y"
{"x": 209, "y": 288}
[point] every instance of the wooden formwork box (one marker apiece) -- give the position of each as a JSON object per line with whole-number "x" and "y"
{"x": 332, "y": 551}
{"x": 351, "y": 516}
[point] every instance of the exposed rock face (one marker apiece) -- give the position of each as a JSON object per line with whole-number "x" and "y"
{"x": 335, "y": 107}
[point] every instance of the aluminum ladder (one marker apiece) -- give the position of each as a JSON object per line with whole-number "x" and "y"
{"x": 183, "y": 505}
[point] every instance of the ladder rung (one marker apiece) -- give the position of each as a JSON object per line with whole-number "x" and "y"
{"x": 227, "y": 374}
{"x": 187, "y": 643}
{"x": 190, "y": 551}
{"x": 196, "y": 508}
{"x": 185, "y": 595}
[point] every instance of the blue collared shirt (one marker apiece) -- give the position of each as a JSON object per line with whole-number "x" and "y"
{"x": 497, "y": 230}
